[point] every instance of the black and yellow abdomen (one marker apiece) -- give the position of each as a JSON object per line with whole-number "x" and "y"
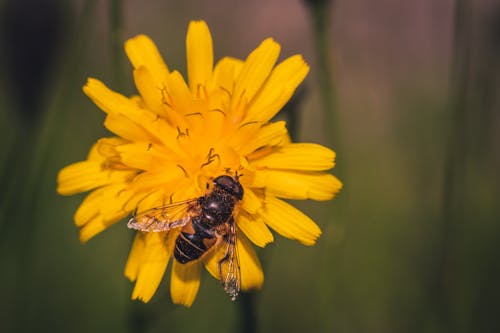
{"x": 193, "y": 241}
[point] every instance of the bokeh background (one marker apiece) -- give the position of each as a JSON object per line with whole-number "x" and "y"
{"x": 406, "y": 92}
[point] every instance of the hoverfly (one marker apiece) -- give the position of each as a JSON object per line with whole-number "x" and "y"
{"x": 206, "y": 223}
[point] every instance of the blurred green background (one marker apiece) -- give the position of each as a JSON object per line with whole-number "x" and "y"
{"x": 411, "y": 243}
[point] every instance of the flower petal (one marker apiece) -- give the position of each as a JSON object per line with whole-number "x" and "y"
{"x": 147, "y": 263}
{"x": 149, "y": 90}
{"x": 200, "y": 56}
{"x": 180, "y": 95}
{"x": 86, "y": 175}
{"x": 142, "y": 155}
{"x": 102, "y": 208}
{"x": 289, "y": 221}
{"x": 255, "y": 229}
{"x": 211, "y": 259}
{"x": 142, "y": 51}
{"x": 105, "y": 149}
{"x": 251, "y": 202}
{"x": 170, "y": 175}
{"x": 224, "y": 74}
{"x": 185, "y": 281}
{"x": 255, "y": 71}
{"x": 126, "y": 128}
{"x": 269, "y": 135}
{"x": 298, "y": 185}
{"x": 298, "y": 156}
{"x": 125, "y": 118}
{"x": 252, "y": 276}
{"x": 106, "y": 99}
{"x": 278, "y": 89}
{"x": 134, "y": 258}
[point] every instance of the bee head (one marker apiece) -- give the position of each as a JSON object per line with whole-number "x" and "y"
{"x": 230, "y": 185}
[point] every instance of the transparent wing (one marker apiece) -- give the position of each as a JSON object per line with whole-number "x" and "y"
{"x": 165, "y": 217}
{"x": 229, "y": 265}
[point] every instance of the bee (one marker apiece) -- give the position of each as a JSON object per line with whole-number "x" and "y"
{"x": 205, "y": 223}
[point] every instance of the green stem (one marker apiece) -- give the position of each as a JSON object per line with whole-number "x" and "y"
{"x": 320, "y": 10}
{"x": 116, "y": 32}
{"x": 248, "y": 314}
{"x": 320, "y": 19}
{"x": 454, "y": 171}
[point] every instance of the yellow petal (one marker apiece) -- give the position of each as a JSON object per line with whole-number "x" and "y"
{"x": 125, "y": 118}
{"x": 168, "y": 176}
{"x": 278, "y": 89}
{"x": 102, "y": 208}
{"x": 134, "y": 258}
{"x": 88, "y": 209}
{"x": 83, "y": 176}
{"x": 113, "y": 102}
{"x": 126, "y": 128}
{"x": 289, "y": 221}
{"x": 200, "y": 57}
{"x": 252, "y": 276}
{"x": 211, "y": 259}
{"x": 251, "y": 203}
{"x": 113, "y": 202}
{"x": 185, "y": 281}
{"x": 142, "y": 51}
{"x": 272, "y": 134}
{"x": 298, "y": 156}
{"x": 224, "y": 75}
{"x": 254, "y": 228}
{"x": 105, "y": 148}
{"x": 142, "y": 155}
{"x": 151, "y": 93}
{"x": 181, "y": 99}
{"x": 148, "y": 280}
{"x": 255, "y": 71}
{"x": 154, "y": 198}
{"x": 92, "y": 228}
{"x": 298, "y": 185}
{"x": 149, "y": 262}
{"x": 106, "y": 99}
{"x": 105, "y": 203}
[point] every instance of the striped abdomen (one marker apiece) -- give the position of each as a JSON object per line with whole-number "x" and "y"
{"x": 194, "y": 240}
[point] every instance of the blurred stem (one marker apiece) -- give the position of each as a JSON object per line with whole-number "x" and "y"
{"x": 454, "y": 171}
{"x": 319, "y": 11}
{"x": 320, "y": 18}
{"x": 248, "y": 313}
{"x": 116, "y": 30}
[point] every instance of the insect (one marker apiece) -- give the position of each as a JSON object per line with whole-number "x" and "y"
{"x": 206, "y": 223}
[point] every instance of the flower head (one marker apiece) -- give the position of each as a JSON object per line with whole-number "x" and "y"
{"x": 174, "y": 138}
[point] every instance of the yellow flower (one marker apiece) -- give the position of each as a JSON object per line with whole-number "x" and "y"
{"x": 174, "y": 137}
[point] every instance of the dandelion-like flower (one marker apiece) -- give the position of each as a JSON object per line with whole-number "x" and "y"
{"x": 174, "y": 138}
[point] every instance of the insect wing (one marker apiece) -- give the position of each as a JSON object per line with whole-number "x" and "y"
{"x": 165, "y": 217}
{"x": 229, "y": 265}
